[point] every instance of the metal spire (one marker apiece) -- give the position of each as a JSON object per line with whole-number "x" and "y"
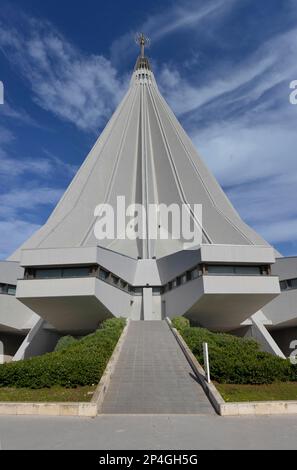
{"x": 143, "y": 41}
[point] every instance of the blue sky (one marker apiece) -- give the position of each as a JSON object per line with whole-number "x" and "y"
{"x": 224, "y": 66}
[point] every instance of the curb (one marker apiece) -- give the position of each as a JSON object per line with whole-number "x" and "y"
{"x": 49, "y": 409}
{"x": 210, "y": 390}
{"x": 255, "y": 408}
{"x": 258, "y": 408}
{"x": 103, "y": 385}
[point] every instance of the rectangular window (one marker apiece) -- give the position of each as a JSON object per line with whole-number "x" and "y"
{"x": 3, "y": 289}
{"x": 123, "y": 284}
{"x": 103, "y": 275}
{"x": 195, "y": 273}
{"x": 183, "y": 278}
{"x": 11, "y": 290}
{"x": 135, "y": 290}
{"x": 114, "y": 279}
{"x": 234, "y": 270}
{"x": 283, "y": 285}
{"x": 157, "y": 290}
{"x": 76, "y": 272}
{"x": 216, "y": 269}
{"x": 248, "y": 270}
{"x": 48, "y": 273}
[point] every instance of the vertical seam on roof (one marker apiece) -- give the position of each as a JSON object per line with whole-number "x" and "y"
{"x": 202, "y": 182}
{"x": 109, "y": 126}
{"x": 115, "y": 166}
{"x": 175, "y": 172}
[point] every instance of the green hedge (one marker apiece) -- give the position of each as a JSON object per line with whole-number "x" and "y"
{"x": 236, "y": 360}
{"x": 64, "y": 342}
{"x": 80, "y": 363}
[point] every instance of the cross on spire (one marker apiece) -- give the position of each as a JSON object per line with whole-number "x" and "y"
{"x": 142, "y": 41}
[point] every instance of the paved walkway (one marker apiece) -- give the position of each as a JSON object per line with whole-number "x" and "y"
{"x": 148, "y": 432}
{"x": 153, "y": 375}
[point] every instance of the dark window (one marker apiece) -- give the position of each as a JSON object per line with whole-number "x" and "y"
{"x": 194, "y": 273}
{"x": 7, "y": 289}
{"x": 48, "y": 273}
{"x": 103, "y": 275}
{"x": 283, "y": 285}
{"x": 123, "y": 284}
{"x": 11, "y": 290}
{"x": 76, "y": 272}
{"x": 234, "y": 270}
{"x": 288, "y": 284}
{"x": 114, "y": 279}
{"x": 157, "y": 290}
{"x": 135, "y": 290}
{"x": 183, "y": 278}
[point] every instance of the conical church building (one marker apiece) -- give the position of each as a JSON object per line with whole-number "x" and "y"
{"x": 64, "y": 280}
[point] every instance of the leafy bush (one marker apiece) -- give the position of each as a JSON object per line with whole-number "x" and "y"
{"x": 236, "y": 360}
{"x": 64, "y": 342}
{"x": 81, "y": 363}
{"x": 180, "y": 323}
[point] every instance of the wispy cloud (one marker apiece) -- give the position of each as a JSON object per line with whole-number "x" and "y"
{"x": 14, "y": 167}
{"x": 239, "y": 118}
{"x": 17, "y": 115}
{"x": 243, "y": 82}
{"x": 256, "y": 164}
{"x": 13, "y": 234}
{"x": 178, "y": 17}
{"x": 27, "y": 199}
{"x": 78, "y": 88}
{"x": 245, "y": 128}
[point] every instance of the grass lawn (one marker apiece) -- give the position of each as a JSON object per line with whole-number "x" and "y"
{"x": 274, "y": 391}
{"x": 56, "y": 393}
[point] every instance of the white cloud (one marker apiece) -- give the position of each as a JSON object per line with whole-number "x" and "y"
{"x": 244, "y": 82}
{"x": 81, "y": 89}
{"x": 247, "y": 133}
{"x": 256, "y": 164}
{"x": 279, "y": 231}
{"x": 186, "y": 15}
{"x": 12, "y": 167}
{"x": 21, "y": 199}
{"x": 13, "y": 234}
{"x": 8, "y": 111}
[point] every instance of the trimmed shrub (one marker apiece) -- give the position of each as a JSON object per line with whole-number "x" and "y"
{"x": 64, "y": 342}
{"x": 80, "y": 363}
{"x": 180, "y": 323}
{"x": 237, "y": 360}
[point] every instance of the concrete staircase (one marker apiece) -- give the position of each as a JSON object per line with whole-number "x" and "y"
{"x": 153, "y": 376}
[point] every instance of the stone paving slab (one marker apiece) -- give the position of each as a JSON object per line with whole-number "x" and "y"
{"x": 152, "y": 375}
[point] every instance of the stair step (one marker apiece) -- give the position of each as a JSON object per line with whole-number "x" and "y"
{"x": 153, "y": 376}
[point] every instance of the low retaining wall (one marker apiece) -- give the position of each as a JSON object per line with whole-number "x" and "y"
{"x": 49, "y": 409}
{"x": 219, "y": 404}
{"x": 210, "y": 390}
{"x": 259, "y": 408}
{"x": 103, "y": 385}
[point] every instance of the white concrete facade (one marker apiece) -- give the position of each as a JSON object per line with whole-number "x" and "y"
{"x": 64, "y": 275}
